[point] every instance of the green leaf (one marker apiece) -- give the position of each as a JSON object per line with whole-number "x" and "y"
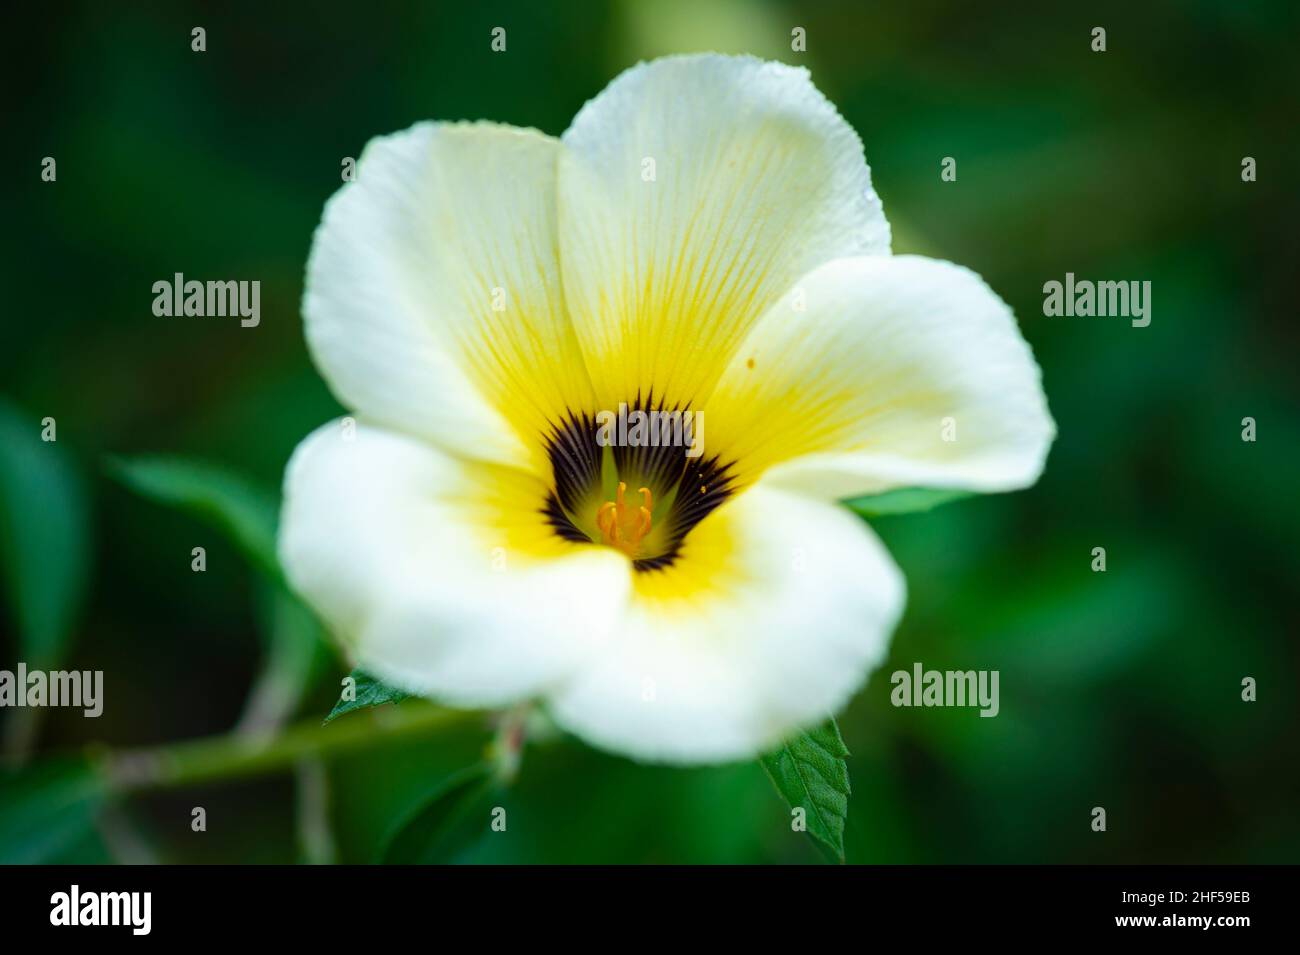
{"x": 369, "y": 692}
{"x": 453, "y": 817}
{"x": 44, "y": 538}
{"x": 904, "y": 501}
{"x": 246, "y": 512}
{"x": 47, "y": 810}
{"x": 810, "y": 772}
{"x": 293, "y": 658}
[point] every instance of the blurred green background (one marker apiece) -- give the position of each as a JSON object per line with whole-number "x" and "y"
{"x": 1119, "y": 689}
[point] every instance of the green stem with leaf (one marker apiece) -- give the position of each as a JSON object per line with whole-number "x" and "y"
{"x": 233, "y": 756}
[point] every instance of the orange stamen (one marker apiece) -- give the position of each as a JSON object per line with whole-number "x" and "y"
{"x": 622, "y": 526}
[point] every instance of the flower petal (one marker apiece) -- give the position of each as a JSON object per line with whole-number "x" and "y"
{"x": 775, "y": 612}
{"x": 433, "y": 299}
{"x": 877, "y": 373}
{"x": 756, "y": 180}
{"x": 441, "y": 576}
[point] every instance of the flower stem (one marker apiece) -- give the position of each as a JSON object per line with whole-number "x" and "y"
{"x": 233, "y": 756}
{"x": 508, "y": 746}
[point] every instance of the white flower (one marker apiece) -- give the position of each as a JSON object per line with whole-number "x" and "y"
{"x": 704, "y": 237}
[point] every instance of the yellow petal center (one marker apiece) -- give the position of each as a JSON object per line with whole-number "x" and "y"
{"x": 622, "y": 525}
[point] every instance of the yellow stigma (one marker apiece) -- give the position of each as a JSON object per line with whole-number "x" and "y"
{"x": 622, "y": 526}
